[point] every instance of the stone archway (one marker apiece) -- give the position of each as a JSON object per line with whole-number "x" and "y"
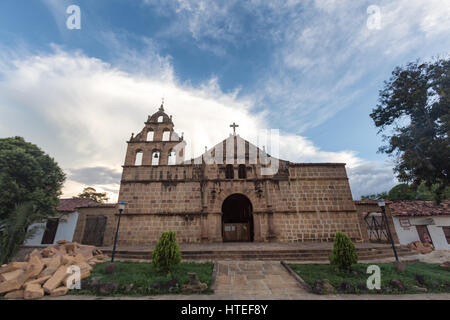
{"x": 237, "y": 219}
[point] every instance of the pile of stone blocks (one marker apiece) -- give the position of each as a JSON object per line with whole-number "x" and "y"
{"x": 44, "y": 272}
{"x": 420, "y": 247}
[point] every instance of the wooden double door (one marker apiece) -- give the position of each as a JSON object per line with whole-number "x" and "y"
{"x": 236, "y": 232}
{"x": 94, "y": 230}
{"x": 237, "y": 219}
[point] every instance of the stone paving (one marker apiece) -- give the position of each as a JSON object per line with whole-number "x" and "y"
{"x": 299, "y": 296}
{"x": 255, "y": 278}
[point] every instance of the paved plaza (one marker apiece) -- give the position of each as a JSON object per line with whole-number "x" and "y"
{"x": 255, "y": 278}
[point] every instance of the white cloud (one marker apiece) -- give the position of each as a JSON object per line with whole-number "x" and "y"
{"x": 370, "y": 178}
{"x": 300, "y": 149}
{"x": 322, "y": 49}
{"x": 81, "y": 110}
{"x": 86, "y": 109}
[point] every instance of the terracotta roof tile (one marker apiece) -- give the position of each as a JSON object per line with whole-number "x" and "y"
{"x": 99, "y": 205}
{"x": 419, "y": 208}
{"x": 70, "y": 205}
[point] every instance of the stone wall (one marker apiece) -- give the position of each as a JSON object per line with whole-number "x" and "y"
{"x": 109, "y": 211}
{"x": 136, "y": 230}
{"x": 302, "y": 202}
{"x": 313, "y": 188}
{"x": 161, "y": 197}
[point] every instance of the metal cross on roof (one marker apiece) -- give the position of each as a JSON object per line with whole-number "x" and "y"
{"x": 234, "y": 126}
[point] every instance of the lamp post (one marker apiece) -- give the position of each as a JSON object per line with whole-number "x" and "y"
{"x": 111, "y": 267}
{"x": 382, "y": 205}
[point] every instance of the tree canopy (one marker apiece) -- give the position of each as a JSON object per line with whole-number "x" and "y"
{"x": 91, "y": 193}
{"x": 30, "y": 185}
{"x": 404, "y": 191}
{"x": 414, "y": 116}
{"x": 27, "y": 174}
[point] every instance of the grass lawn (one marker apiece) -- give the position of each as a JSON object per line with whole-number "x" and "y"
{"x": 142, "y": 275}
{"x": 437, "y": 280}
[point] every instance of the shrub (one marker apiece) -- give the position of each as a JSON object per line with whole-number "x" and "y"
{"x": 167, "y": 253}
{"x": 344, "y": 252}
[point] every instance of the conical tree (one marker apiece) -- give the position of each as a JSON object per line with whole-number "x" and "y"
{"x": 344, "y": 252}
{"x": 167, "y": 253}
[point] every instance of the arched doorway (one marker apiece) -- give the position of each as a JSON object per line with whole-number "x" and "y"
{"x": 237, "y": 219}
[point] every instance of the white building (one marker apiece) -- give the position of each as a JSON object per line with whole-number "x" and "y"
{"x": 61, "y": 227}
{"x": 422, "y": 221}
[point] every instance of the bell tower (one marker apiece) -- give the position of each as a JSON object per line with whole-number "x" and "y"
{"x": 157, "y": 144}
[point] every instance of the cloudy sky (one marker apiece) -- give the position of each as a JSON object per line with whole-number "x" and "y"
{"x": 310, "y": 68}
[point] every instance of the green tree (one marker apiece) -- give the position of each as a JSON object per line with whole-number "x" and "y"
{"x": 414, "y": 115}
{"x": 166, "y": 254}
{"x": 401, "y": 192}
{"x": 30, "y": 185}
{"x": 91, "y": 193}
{"x": 422, "y": 192}
{"x": 426, "y": 193}
{"x": 344, "y": 253}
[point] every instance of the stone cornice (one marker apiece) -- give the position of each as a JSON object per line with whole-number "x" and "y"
{"x": 226, "y": 180}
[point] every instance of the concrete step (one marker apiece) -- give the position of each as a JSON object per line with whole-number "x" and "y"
{"x": 305, "y": 255}
{"x": 237, "y": 252}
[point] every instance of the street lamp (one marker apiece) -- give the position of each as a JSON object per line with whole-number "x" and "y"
{"x": 382, "y": 205}
{"x": 111, "y": 267}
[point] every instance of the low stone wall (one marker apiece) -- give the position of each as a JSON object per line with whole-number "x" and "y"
{"x": 109, "y": 212}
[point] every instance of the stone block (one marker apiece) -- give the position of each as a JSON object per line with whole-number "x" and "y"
{"x": 11, "y": 285}
{"x": 61, "y": 291}
{"x": 13, "y": 266}
{"x": 34, "y": 253}
{"x": 16, "y": 294}
{"x": 34, "y": 268}
{"x": 48, "y": 252}
{"x": 34, "y": 291}
{"x": 39, "y": 281}
{"x": 47, "y": 272}
{"x": 68, "y": 260}
{"x": 12, "y": 275}
{"x": 56, "y": 280}
{"x": 54, "y": 262}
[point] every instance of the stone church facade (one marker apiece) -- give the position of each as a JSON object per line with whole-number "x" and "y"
{"x": 219, "y": 201}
